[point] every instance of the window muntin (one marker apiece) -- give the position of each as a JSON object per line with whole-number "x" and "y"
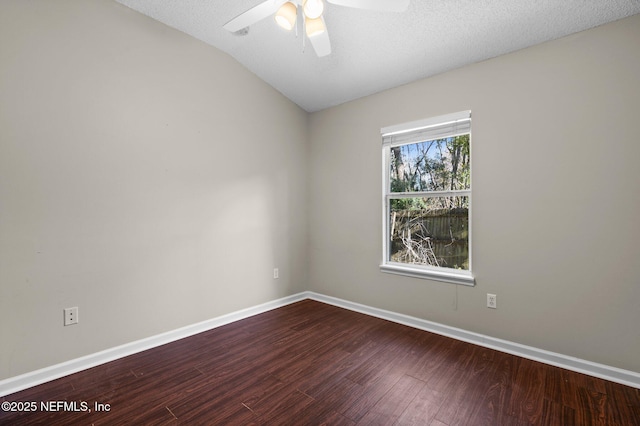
{"x": 427, "y": 198}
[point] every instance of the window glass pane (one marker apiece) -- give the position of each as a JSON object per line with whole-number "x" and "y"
{"x": 430, "y": 231}
{"x": 437, "y": 165}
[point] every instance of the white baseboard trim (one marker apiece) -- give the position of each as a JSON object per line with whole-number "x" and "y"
{"x": 613, "y": 374}
{"x": 34, "y": 378}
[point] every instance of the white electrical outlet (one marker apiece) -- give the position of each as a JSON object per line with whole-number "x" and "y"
{"x": 492, "y": 301}
{"x": 71, "y": 316}
{"x": 276, "y": 273}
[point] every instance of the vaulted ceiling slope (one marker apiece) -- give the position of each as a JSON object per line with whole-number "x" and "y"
{"x": 373, "y": 51}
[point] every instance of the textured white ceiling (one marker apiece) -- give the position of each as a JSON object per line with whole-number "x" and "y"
{"x": 374, "y": 51}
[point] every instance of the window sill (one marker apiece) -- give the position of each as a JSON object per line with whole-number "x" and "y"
{"x": 449, "y": 276}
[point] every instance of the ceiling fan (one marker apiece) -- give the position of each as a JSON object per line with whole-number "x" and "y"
{"x": 286, "y": 15}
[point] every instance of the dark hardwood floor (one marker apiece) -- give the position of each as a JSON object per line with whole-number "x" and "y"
{"x": 311, "y": 364}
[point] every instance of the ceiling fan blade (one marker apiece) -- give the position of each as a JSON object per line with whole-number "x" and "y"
{"x": 382, "y": 5}
{"x": 253, "y": 15}
{"x": 321, "y": 43}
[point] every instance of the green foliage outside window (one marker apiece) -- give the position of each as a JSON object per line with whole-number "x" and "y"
{"x": 432, "y": 228}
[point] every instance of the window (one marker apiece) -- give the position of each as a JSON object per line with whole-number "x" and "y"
{"x": 427, "y": 198}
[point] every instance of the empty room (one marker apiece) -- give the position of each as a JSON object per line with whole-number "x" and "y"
{"x": 340, "y": 212}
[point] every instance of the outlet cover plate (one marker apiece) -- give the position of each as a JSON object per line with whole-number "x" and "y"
{"x": 492, "y": 301}
{"x": 70, "y": 316}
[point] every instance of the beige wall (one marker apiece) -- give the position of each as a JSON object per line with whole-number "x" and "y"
{"x": 556, "y": 204}
{"x": 145, "y": 177}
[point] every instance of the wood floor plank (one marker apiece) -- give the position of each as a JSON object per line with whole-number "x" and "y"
{"x": 494, "y": 407}
{"x": 433, "y": 359}
{"x": 390, "y": 407}
{"x": 555, "y": 413}
{"x": 364, "y": 398}
{"x": 463, "y": 392}
{"x": 423, "y": 407}
{"x": 316, "y": 414}
{"x": 335, "y": 372}
{"x": 383, "y": 361}
{"x": 527, "y": 391}
{"x": 283, "y": 410}
{"x": 310, "y": 363}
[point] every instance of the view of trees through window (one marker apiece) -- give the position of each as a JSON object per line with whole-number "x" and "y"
{"x": 429, "y": 202}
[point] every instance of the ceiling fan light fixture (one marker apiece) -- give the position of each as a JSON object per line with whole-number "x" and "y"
{"x": 314, "y": 26}
{"x": 286, "y": 16}
{"x": 313, "y": 8}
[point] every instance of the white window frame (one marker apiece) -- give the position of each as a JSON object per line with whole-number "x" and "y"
{"x": 443, "y": 126}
